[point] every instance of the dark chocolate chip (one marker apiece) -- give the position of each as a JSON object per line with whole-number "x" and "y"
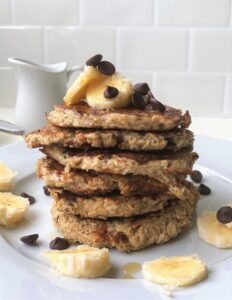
{"x": 204, "y": 189}
{"x": 224, "y": 214}
{"x": 156, "y": 105}
{"x": 106, "y": 68}
{"x": 111, "y": 92}
{"x": 138, "y": 101}
{"x": 196, "y": 176}
{"x": 30, "y": 198}
{"x": 46, "y": 191}
{"x": 30, "y": 239}
{"x": 94, "y": 60}
{"x": 59, "y": 244}
{"x": 141, "y": 88}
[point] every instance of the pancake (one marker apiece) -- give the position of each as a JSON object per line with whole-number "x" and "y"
{"x": 126, "y": 234}
{"x": 118, "y": 162}
{"x": 83, "y": 116}
{"x": 109, "y": 206}
{"x": 125, "y": 140}
{"x": 92, "y": 183}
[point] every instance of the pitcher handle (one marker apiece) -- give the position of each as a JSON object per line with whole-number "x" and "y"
{"x": 73, "y": 69}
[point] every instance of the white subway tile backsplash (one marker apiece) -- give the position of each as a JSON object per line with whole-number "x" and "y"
{"x": 7, "y": 87}
{"x": 212, "y": 50}
{"x": 202, "y": 95}
{"x": 116, "y": 12}
{"x": 181, "y": 48}
{"x": 21, "y": 42}
{"x": 153, "y": 49}
{"x": 193, "y": 12}
{"x": 76, "y": 45}
{"x": 45, "y": 12}
{"x": 5, "y": 12}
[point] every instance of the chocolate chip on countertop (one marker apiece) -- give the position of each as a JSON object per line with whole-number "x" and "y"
{"x": 138, "y": 101}
{"x": 111, "y": 92}
{"x": 46, "y": 191}
{"x": 30, "y": 239}
{"x": 224, "y": 214}
{"x": 30, "y": 198}
{"x": 106, "y": 68}
{"x": 204, "y": 189}
{"x": 196, "y": 176}
{"x": 141, "y": 88}
{"x": 94, "y": 60}
{"x": 59, "y": 244}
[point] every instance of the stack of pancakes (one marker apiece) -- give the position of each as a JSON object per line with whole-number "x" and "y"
{"x": 118, "y": 177}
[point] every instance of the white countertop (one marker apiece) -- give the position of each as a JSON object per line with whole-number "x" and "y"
{"x": 214, "y": 127}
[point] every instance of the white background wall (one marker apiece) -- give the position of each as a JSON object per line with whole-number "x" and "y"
{"x": 183, "y": 48}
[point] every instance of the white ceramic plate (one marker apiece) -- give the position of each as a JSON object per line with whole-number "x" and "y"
{"x": 25, "y": 274}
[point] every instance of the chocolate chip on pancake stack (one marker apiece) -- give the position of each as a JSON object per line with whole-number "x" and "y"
{"x": 116, "y": 163}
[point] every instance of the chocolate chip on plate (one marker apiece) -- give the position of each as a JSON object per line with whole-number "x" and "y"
{"x": 196, "y": 176}
{"x": 30, "y": 198}
{"x": 141, "y": 88}
{"x": 111, "y": 92}
{"x": 46, "y": 191}
{"x": 30, "y": 239}
{"x": 106, "y": 68}
{"x": 204, "y": 189}
{"x": 138, "y": 101}
{"x": 59, "y": 244}
{"x": 224, "y": 215}
{"x": 94, "y": 60}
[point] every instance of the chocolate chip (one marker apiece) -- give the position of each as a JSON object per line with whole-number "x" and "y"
{"x": 30, "y": 198}
{"x": 204, "y": 189}
{"x": 141, "y": 88}
{"x": 224, "y": 214}
{"x": 196, "y": 176}
{"x": 138, "y": 101}
{"x": 94, "y": 60}
{"x": 59, "y": 244}
{"x": 156, "y": 105}
{"x": 111, "y": 92}
{"x": 46, "y": 191}
{"x": 30, "y": 239}
{"x": 106, "y": 68}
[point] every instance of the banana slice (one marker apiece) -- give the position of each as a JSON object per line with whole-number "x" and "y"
{"x": 175, "y": 271}
{"x": 213, "y": 232}
{"x": 77, "y": 91}
{"x": 95, "y": 92}
{"x": 83, "y": 261}
{"x": 12, "y": 209}
{"x": 6, "y": 177}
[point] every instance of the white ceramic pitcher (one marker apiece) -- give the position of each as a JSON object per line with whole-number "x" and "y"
{"x": 40, "y": 87}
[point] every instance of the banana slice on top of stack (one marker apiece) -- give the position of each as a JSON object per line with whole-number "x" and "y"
{"x": 100, "y": 86}
{"x": 215, "y": 228}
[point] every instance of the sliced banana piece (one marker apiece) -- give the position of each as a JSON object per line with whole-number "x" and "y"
{"x": 95, "y": 92}
{"x": 6, "y": 177}
{"x": 213, "y": 232}
{"x": 175, "y": 271}
{"x": 12, "y": 209}
{"x": 82, "y": 262}
{"x": 78, "y": 89}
